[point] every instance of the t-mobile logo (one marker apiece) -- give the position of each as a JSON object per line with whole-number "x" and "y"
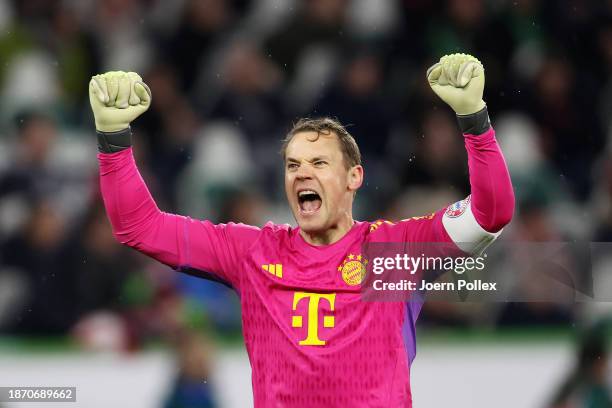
{"x": 312, "y": 339}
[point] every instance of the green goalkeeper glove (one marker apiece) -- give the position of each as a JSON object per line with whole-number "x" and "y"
{"x": 458, "y": 79}
{"x": 117, "y": 98}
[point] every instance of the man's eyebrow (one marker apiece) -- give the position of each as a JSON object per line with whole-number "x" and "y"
{"x": 314, "y": 159}
{"x": 322, "y": 157}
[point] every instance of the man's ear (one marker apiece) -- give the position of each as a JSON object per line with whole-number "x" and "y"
{"x": 355, "y": 177}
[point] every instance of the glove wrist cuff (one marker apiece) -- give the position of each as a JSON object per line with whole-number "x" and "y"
{"x": 475, "y": 123}
{"x": 113, "y": 142}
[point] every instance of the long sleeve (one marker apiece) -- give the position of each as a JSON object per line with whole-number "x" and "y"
{"x": 476, "y": 221}
{"x": 492, "y": 195}
{"x": 177, "y": 241}
{"x": 471, "y": 224}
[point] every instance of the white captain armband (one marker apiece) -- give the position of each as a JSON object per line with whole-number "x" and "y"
{"x": 464, "y": 230}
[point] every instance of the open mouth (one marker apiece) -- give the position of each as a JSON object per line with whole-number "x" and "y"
{"x": 309, "y": 201}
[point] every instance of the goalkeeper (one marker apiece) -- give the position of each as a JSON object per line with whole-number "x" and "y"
{"x": 311, "y": 341}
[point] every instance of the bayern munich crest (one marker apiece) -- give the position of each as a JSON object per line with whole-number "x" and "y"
{"x": 458, "y": 208}
{"x": 353, "y": 269}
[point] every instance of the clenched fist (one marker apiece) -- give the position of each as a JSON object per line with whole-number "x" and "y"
{"x": 458, "y": 79}
{"x": 117, "y": 98}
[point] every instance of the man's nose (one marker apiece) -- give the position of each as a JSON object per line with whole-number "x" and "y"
{"x": 304, "y": 172}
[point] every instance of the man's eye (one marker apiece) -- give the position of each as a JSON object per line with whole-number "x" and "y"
{"x": 292, "y": 166}
{"x": 320, "y": 163}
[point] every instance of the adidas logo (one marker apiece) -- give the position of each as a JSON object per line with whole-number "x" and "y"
{"x": 274, "y": 269}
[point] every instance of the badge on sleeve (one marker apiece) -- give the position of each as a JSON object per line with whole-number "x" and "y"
{"x": 458, "y": 208}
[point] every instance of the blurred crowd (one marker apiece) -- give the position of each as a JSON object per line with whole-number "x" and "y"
{"x": 228, "y": 80}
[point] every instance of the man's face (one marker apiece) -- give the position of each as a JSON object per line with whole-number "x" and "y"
{"x": 319, "y": 187}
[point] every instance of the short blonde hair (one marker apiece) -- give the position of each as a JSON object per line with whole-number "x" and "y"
{"x": 325, "y": 126}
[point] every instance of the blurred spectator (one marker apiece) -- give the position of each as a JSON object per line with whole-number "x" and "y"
{"x": 192, "y": 387}
{"x": 250, "y": 96}
{"x": 126, "y": 45}
{"x": 39, "y": 253}
{"x": 30, "y": 177}
{"x": 438, "y": 158}
{"x": 210, "y": 172}
{"x": 76, "y": 54}
{"x": 565, "y": 110}
{"x": 101, "y": 266}
{"x": 167, "y": 131}
{"x": 533, "y": 177}
{"x": 369, "y": 112}
{"x": 316, "y": 23}
{"x": 202, "y": 23}
{"x": 587, "y": 385}
{"x": 546, "y": 287}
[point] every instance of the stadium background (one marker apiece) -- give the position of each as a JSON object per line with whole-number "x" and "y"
{"x": 228, "y": 79}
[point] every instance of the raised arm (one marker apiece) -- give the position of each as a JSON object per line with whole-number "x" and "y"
{"x": 117, "y": 98}
{"x": 459, "y": 80}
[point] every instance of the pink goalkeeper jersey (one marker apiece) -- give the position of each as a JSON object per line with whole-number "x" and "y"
{"x": 311, "y": 341}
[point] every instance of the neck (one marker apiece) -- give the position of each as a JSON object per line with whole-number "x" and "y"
{"x": 331, "y": 234}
